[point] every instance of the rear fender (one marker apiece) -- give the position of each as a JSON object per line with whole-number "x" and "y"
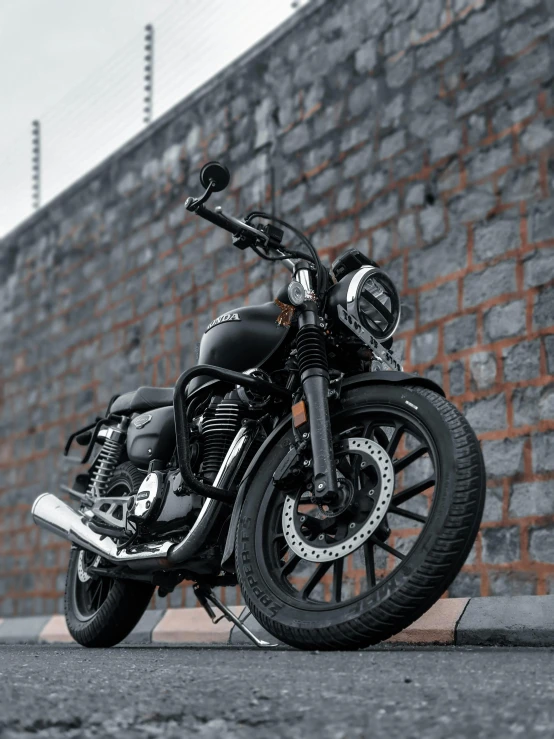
{"x": 367, "y": 378}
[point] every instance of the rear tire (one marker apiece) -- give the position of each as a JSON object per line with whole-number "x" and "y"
{"x": 101, "y": 612}
{"x": 424, "y": 573}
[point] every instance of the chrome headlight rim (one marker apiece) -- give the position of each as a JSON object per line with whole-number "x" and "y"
{"x": 354, "y": 293}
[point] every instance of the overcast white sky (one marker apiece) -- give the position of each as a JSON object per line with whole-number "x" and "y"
{"x": 49, "y": 46}
{"x": 76, "y": 65}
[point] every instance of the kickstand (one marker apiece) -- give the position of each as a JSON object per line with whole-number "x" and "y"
{"x": 206, "y": 596}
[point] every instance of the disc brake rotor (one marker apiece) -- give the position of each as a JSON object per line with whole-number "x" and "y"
{"x": 82, "y": 566}
{"x": 373, "y": 457}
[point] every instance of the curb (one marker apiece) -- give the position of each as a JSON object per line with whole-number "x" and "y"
{"x": 521, "y": 621}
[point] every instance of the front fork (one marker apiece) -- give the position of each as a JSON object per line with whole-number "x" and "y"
{"x": 314, "y": 375}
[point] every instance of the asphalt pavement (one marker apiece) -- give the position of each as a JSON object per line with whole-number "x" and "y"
{"x": 220, "y": 693}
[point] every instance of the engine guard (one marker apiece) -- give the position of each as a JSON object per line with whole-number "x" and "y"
{"x": 366, "y": 378}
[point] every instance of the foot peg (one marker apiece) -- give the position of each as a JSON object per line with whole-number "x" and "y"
{"x": 206, "y": 598}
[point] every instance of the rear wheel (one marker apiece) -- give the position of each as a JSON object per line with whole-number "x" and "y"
{"x": 102, "y": 611}
{"x": 358, "y": 571}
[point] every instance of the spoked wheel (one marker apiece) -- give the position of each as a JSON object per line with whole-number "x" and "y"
{"x": 356, "y": 571}
{"x": 100, "y": 611}
{"x": 352, "y": 537}
{"x": 90, "y": 591}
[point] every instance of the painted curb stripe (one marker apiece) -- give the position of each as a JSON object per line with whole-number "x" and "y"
{"x": 512, "y": 621}
{"x": 55, "y": 631}
{"x": 192, "y": 625}
{"x": 436, "y": 626}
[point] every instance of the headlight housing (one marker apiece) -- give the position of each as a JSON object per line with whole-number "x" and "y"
{"x": 371, "y": 298}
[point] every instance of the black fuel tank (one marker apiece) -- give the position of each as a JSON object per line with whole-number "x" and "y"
{"x": 241, "y": 339}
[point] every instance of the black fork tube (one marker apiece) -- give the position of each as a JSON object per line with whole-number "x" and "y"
{"x": 314, "y": 375}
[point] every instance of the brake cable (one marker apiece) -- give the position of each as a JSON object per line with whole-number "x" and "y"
{"x": 321, "y": 276}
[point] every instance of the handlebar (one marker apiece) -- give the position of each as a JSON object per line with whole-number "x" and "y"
{"x": 218, "y": 219}
{"x": 240, "y": 230}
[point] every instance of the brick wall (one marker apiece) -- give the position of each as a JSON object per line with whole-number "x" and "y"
{"x": 421, "y": 131}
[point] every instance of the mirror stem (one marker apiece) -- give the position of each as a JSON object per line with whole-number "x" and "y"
{"x": 193, "y": 203}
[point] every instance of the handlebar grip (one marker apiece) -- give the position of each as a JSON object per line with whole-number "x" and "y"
{"x": 217, "y": 219}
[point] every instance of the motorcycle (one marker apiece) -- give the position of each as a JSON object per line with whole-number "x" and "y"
{"x": 296, "y": 459}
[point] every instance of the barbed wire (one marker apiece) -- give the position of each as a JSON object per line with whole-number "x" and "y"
{"x": 95, "y": 118}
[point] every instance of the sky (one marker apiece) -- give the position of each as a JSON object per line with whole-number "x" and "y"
{"x": 76, "y": 65}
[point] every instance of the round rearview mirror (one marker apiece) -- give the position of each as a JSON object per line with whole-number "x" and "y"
{"x": 216, "y": 173}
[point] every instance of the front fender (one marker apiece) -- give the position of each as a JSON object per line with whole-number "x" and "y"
{"x": 391, "y": 376}
{"x": 365, "y": 378}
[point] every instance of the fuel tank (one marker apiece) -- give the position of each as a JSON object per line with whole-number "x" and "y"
{"x": 241, "y": 339}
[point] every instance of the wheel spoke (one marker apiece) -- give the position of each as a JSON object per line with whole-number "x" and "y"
{"x": 369, "y": 563}
{"x": 95, "y": 594}
{"x": 290, "y": 565}
{"x": 380, "y": 437}
{"x": 403, "y": 462}
{"x": 394, "y": 440}
{"x": 368, "y": 429}
{"x": 337, "y": 579}
{"x": 407, "y": 514}
{"x": 356, "y": 466}
{"x": 344, "y": 466}
{"x": 387, "y": 547}
{"x": 314, "y": 579}
{"x": 413, "y": 490}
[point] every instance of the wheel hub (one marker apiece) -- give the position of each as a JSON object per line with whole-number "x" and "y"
{"x": 343, "y": 529}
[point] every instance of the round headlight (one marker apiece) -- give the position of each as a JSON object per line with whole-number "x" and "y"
{"x": 372, "y": 299}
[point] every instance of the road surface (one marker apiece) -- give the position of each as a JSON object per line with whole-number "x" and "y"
{"x": 52, "y": 691}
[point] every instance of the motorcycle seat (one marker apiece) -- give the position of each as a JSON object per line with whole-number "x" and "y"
{"x": 143, "y": 399}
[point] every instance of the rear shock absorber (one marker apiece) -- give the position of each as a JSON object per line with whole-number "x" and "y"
{"x": 108, "y": 459}
{"x": 314, "y": 375}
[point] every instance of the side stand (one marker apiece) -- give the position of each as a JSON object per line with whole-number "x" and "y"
{"x": 206, "y": 598}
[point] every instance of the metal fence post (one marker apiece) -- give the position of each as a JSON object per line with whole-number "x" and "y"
{"x": 35, "y": 174}
{"x": 148, "y": 72}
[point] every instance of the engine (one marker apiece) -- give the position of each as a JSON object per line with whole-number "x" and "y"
{"x": 218, "y": 427}
{"x": 221, "y": 421}
{"x": 159, "y": 504}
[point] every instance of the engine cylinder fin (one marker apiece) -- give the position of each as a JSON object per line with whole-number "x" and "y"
{"x": 219, "y": 427}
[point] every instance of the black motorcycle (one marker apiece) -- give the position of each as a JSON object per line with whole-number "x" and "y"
{"x": 297, "y": 459}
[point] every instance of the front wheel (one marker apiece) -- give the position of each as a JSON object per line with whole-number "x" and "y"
{"x": 355, "y": 572}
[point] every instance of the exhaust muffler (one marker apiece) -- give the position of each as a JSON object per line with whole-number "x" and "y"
{"x": 53, "y": 514}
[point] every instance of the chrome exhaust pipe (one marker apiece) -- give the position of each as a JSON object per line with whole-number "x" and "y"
{"x": 53, "y": 514}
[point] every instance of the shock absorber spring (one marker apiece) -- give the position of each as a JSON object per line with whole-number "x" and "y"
{"x": 106, "y": 463}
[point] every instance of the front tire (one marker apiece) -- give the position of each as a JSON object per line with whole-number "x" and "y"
{"x": 309, "y": 609}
